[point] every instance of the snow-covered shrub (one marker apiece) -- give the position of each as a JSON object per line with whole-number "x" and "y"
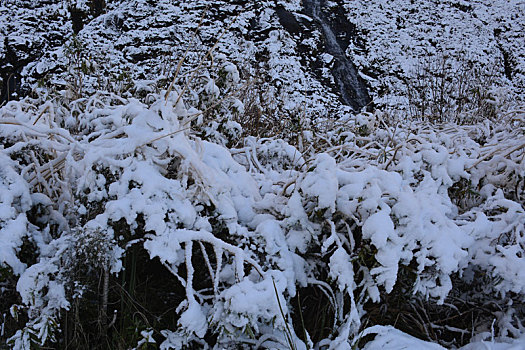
{"x": 365, "y": 211}
{"x": 135, "y": 211}
{"x": 116, "y": 172}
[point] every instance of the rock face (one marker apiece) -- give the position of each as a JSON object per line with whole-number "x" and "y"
{"x": 479, "y": 42}
{"x": 350, "y": 86}
{"x": 328, "y": 61}
{"x": 268, "y": 40}
{"x": 28, "y": 29}
{"x": 309, "y": 53}
{"x": 10, "y": 67}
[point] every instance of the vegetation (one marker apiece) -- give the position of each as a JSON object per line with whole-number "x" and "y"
{"x": 194, "y": 211}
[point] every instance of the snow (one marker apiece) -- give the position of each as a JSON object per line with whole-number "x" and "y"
{"x": 388, "y": 337}
{"x": 355, "y": 207}
{"x": 194, "y": 320}
{"x": 14, "y": 201}
{"x": 391, "y": 338}
{"x": 322, "y": 182}
{"x": 400, "y": 35}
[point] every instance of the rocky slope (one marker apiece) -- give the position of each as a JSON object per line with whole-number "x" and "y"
{"x": 316, "y": 52}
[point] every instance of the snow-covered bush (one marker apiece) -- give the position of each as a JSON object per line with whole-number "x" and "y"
{"x": 369, "y": 211}
{"x": 143, "y": 211}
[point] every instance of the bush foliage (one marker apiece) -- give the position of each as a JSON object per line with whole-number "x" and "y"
{"x": 134, "y": 222}
{"x": 194, "y": 210}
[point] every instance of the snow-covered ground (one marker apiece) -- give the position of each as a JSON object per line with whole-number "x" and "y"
{"x": 251, "y": 190}
{"x": 400, "y": 36}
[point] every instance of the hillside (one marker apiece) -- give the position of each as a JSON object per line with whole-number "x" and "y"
{"x": 275, "y": 174}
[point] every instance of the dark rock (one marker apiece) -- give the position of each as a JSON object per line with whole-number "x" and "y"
{"x": 288, "y": 21}
{"x": 11, "y": 65}
{"x": 77, "y": 19}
